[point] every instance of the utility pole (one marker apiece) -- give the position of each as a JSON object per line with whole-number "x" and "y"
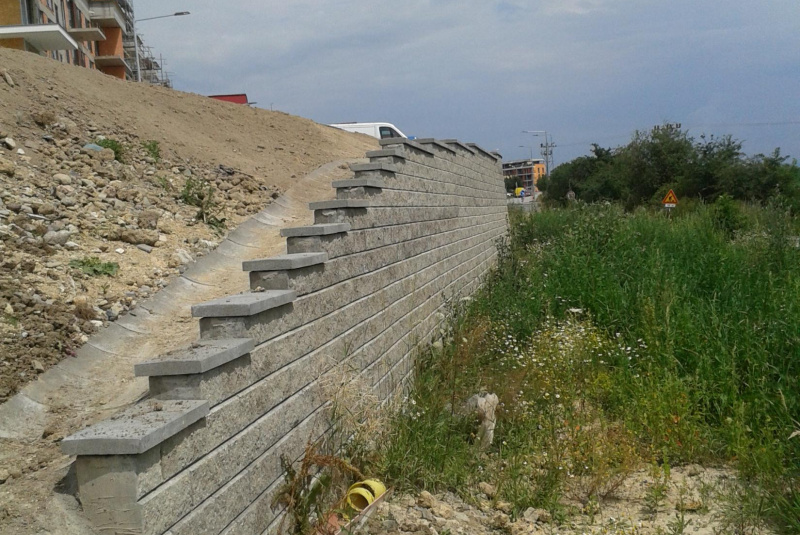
{"x": 547, "y": 153}
{"x": 547, "y": 148}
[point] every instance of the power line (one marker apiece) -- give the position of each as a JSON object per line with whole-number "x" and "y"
{"x": 775, "y": 123}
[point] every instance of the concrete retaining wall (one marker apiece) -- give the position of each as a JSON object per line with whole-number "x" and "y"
{"x": 364, "y": 286}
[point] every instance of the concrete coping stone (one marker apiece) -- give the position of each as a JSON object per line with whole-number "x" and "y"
{"x": 359, "y": 182}
{"x": 322, "y": 229}
{"x": 339, "y": 203}
{"x": 245, "y": 304}
{"x": 458, "y": 144}
{"x": 356, "y": 167}
{"x": 383, "y": 153}
{"x": 285, "y": 262}
{"x": 198, "y": 358}
{"x": 404, "y": 141}
{"x": 137, "y": 429}
{"x": 433, "y": 141}
{"x": 494, "y": 157}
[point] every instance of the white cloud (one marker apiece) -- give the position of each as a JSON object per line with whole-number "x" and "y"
{"x": 484, "y": 70}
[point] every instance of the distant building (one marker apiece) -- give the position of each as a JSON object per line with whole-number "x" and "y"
{"x": 236, "y": 98}
{"x": 528, "y": 171}
{"x": 96, "y": 34}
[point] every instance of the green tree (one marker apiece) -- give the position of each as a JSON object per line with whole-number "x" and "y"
{"x": 664, "y": 158}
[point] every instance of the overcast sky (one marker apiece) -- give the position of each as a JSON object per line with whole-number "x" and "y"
{"x": 482, "y": 71}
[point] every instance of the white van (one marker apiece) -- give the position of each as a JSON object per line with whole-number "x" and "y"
{"x": 376, "y": 130}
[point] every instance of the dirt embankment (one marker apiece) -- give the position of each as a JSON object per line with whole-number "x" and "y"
{"x": 85, "y": 234}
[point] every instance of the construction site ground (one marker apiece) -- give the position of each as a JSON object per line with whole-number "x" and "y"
{"x": 70, "y": 335}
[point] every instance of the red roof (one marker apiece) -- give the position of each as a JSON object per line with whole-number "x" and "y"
{"x": 239, "y": 98}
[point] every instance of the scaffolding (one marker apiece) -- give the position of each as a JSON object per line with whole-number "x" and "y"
{"x": 127, "y": 38}
{"x": 152, "y": 71}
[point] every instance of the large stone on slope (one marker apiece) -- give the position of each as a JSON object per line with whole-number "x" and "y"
{"x": 7, "y": 167}
{"x": 137, "y": 236}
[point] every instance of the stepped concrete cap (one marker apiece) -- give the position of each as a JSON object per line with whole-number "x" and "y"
{"x": 383, "y": 153}
{"x": 378, "y": 166}
{"x": 200, "y": 357}
{"x": 359, "y": 182}
{"x": 315, "y": 230}
{"x": 137, "y": 429}
{"x": 484, "y": 151}
{"x": 246, "y": 304}
{"x": 339, "y": 203}
{"x": 432, "y": 141}
{"x": 459, "y": 144}
{"x": 404, "y": 141}
{"x": 285, "y": 261}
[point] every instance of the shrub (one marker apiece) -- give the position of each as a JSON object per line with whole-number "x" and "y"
{"x": 116, "y": 146}
{"x": 153, "y": 149}
{"x": 727, "y": 216}
{"x": 200, "y": 193}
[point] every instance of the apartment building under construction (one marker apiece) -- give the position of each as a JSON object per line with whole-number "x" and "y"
{"x": 527, "y": 172}
{"x": 96, "y": 34}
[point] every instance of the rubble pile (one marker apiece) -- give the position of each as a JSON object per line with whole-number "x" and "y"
{"x": 87, "y": 232}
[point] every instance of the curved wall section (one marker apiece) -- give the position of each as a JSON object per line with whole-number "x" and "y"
{"x": 364, "y": 286}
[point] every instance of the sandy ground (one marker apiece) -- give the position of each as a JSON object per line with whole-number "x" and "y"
{"x": 277, "y": 149}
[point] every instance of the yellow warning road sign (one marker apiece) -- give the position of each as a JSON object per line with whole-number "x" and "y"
{"x": 670, "y": 200}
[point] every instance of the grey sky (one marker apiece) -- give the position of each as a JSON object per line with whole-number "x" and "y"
{"x": 482, "y": 71}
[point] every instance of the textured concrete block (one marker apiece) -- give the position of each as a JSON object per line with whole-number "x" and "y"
{"x": 372, "y": 167}
{"x": 247, "y": 304}
{"x": 200, "y": 357}
{"x": 287, "y": 261}
{"x": 456, "y": 144}
{"x": 359, "y": 182}
{"x": 215, "y": 385}
{"x": 382, "y": 216}
{"x": 358, "y": 192}
{"x": 483, "y": 151}
{"x": 110, "y": 485}
{"x": 293, "y": 279}
{"x": 137, "y": 429}
{"x": 335, "y": 204}
{"x": 384, "y": 153}
{"x": 435, "y": 144}
{"x": 315, "y": 230}
{"x": 409, "y": 146}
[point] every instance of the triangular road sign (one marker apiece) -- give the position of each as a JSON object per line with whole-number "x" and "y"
{"x": 670, "y": 198}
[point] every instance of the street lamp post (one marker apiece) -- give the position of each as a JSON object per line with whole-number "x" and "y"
{"x": 528, "y": 147}
{"x": 136, "y": 38}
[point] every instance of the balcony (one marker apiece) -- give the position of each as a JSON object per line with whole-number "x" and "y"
{"x": 110, "y": 61}
{"x": 108, "y": 14}
{"x": 40, "y": 36}
{"x": 87, "y": 34}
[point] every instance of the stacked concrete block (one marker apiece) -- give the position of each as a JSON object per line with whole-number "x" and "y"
{"x": 363, "y": 287}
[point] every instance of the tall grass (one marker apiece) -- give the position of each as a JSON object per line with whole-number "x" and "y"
{"x": 675, "y": 337}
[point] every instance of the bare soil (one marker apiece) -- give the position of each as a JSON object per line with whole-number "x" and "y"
{"x": 249, "y": 157}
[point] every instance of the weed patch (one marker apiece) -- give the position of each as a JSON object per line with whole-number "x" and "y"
{"x": 153, "y": 149}
{"x": 114, "y": 145}
{"x": 93, "y": 266}
{"x": 614, "y": 339}
{"x": 200, "y": 193}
